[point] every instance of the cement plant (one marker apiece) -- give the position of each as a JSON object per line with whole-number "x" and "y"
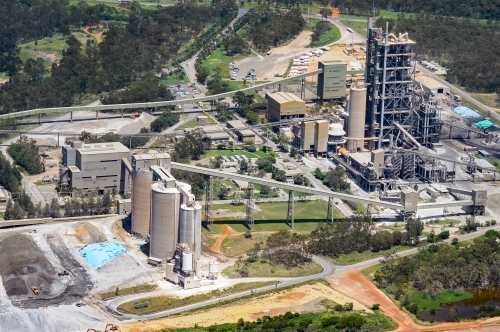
{"x": 409, "y": 147}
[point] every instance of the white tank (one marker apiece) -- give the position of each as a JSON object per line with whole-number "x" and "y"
{"x": 187, "y": 262}
{"x": 213, "y": 267}
{"x": 164, "y": 229}
{"x": 190, "y": 227}
{"x": 141, "y": 201}
{"x": 357, "y": 113}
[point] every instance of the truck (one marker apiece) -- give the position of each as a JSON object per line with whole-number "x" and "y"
{"x": 134, "y": 115}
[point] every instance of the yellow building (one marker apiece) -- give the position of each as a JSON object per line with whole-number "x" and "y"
{"x": 314, "y": 137}
{"x": 284, "y": 105}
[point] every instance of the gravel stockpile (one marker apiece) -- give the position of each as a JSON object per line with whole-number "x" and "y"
{"x": 135, "y": 126}
{"x": 87, "y": 233}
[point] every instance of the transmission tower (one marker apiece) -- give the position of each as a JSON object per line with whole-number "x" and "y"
{"x": 209, "y": 203}
{"x": 250, "y": 207}
{"x": 289, "y": 218}
{"x": 330, "y": 209}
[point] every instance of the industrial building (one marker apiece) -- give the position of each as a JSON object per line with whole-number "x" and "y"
{"x": 332, "y": 81}
{"x": 95, "y": 167}
{"x": 283, "y": 105}
{"x": 312, "y": 137}
{"x": 244, "y": 135}
{"x": 431, "y": 86}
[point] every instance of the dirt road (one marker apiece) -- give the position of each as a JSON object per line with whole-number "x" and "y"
{"x": 359, "y": 288}
{"x": 218, "y": 243}
{"x": 97, "y": 36}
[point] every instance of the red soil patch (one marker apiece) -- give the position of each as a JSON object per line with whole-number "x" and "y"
{"x": 227, "y": 231}
{"x": 356, "y": 286}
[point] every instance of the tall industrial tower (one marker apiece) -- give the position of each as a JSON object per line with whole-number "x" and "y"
{"x": 389, "y": 74}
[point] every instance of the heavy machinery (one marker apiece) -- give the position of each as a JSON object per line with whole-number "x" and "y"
{"x": 134, "y": 115}
{"x": 63, "y": 273}
{"x": 93, "y": 330}
{"x": 111, "y": 327}
{"x": 35, "y": 290}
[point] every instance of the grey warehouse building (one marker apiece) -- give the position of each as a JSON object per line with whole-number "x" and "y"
{"x": 95, "y": 167}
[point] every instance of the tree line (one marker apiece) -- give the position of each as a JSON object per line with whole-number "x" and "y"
{"x": 27, "y": 155}
{"x": 463, "y": 46}
{"x": 92, "y": 204}
{"x": 23, "y": 208}
{"x": 9, "y": 175}
{"x": 131, "y": 141}
{"x": 148, "y": 40}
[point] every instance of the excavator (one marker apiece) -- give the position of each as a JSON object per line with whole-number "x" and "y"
{"x": 63, "y": 273}
{"x": 35, "y": 290}
{"x": 109, "y": 327}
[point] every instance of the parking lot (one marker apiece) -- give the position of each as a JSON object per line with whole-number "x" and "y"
{"x": 184, "y": 91}
{"x": 236, "y": 73}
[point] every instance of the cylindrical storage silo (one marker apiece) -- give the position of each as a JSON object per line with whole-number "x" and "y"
{"x": 164, "y": 229}
{"x": 357, "y": 114}
{"x": 141, "y": 202}
{"x": 187, "y": 262}
{"x": 213, "y": 267}
{"x": 186, "y": 226}
{"x": 197, "y": 230}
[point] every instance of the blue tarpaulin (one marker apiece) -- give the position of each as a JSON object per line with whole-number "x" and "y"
{"x": 98, "y": 254}
{"x": 466, "y": 112}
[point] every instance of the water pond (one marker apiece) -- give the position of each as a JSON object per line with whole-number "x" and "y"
{"x": 484, "y": 303}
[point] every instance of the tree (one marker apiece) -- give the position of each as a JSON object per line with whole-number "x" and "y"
{"x": 414, "y": 227}
{"x": 224, "y": 114}
{"x": 244, "y": 166}
{"x": 223, "y": 192}
{"x": 335, "y": 179}
{"x": 202, "y": 74}
{"x": 325, "y": 12}
{"x": 279, "y": 175}
{"x": 265, "y": 190}
{"x": 216, "y": 162}
{"x": 298, "y": 179}
{"x": 293, "y": 152}
{"x": 237, "y": 200}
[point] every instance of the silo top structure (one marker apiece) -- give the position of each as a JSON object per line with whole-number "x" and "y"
{"x": 164, "y": 229}
{"x": 356, "y": 123}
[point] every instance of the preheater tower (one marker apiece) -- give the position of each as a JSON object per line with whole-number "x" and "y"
{"x": 165, "y": 205}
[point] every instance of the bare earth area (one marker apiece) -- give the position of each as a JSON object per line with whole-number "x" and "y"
{"x": 361, "y": 289}
{"x": 305, "y": 298}
{"x": 218, "y": 243}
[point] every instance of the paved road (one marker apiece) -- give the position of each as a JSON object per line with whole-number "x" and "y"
{"x": 328, "y": 269}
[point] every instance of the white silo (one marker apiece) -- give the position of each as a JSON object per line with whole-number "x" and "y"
{"x": 164, "y": 229}
{"x": 357, "y": 114}
{"x": 187, "y": 262}
{"x": 141, "y": 202}
{"x": 190, "y": 227}
{"x": 213, "y": 268}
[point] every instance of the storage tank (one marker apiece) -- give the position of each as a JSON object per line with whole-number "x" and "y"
{"x": 164, "y": 229}
{"x": 190, "y": 227}
{"x": 357, "y": 113}
{"x": 141, "y": 202}
{"x": 187, "y": 262}
{"x": 213, "y": 267}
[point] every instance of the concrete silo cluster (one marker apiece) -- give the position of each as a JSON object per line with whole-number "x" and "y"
{"x": 165, "y": 212}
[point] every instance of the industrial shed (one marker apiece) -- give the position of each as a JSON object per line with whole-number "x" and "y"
{"x": 244, "y": 134}
{"x": 431, "y": 85}
{"x": 284, "y": 105}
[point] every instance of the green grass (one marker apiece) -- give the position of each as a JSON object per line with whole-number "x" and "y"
{"x": 236, "y": 245}
{"x": 357, "y": 257}
{"x": 239, "y": 84}
{"x": 368, "y": 272}
{"x": 126, "y": 291}
{"x": 359, "y": 27}
{"x": 1, "y": 215}
{"x": 53, "y": 45}
{"x": 427, "y": 303}
{"x": 388, "y": 14}
{"x": 494, "y": 162}
{"x": 445, "y": 222}
{"x": 161, "y": 303}
{"x": 4, "y": 76}
{"x": 194, "y": 123}
{"x": 171, "y": 80}
{"x": 230, "y": 184}
{"x": 215, "y": 229}
{"x": 328, "y": 37}
{"x": 228, "y": 153}
{"x": 489, "y": 99}
{"x": 219, "y": 59}
{"x": 263, "y": 268}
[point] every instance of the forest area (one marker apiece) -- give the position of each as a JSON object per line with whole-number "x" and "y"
{"x": 467, "y": 48}
{"x": 141, "y": 45}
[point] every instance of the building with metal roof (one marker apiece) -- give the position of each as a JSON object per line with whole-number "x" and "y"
{"x": 284, "y": 105}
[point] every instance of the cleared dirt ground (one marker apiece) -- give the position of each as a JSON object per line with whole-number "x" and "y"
{"x": 305, "y": 298}
{"x": 361, "y": 289}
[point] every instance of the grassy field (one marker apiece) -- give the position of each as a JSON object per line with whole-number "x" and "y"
{"x": 263, "y": 268}
{"x": 237, "y": 245}
{"x": 160, "y": 303}
{"x": 194, "y": 123}
{"x": 326, "y": 38}
{"x": 171, "y": 80}
{"x": 53, "y": 45}
{"x": 368, "y": 272}
{"x": 489, "y": 99}
{"x": 446, "y": 222}
{"x": 272, "y": 216}
{"x": 216, "y": 229}
{"x": 427, "y": 303}
{"x": 228, "y": 153}
{"x": 359, "y": 27}
{"x": 126, "y": 291}
{"x": 239, "y": 84}
{"x": 357, "y": 257}
{"x": 4, "y": 76}
{"x": 219, "y": 59}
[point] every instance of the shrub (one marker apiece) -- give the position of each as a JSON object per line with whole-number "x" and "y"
{"x": 329, "y": 321}
{"x": 376, "y": 306}
{"x": 413, "y": 308}
{"x": 454, "y": 241}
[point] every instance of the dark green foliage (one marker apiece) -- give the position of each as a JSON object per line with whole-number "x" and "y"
{"x": 197, "y": 181}
{"x": 336, "y": 179}
{"x": 166, "y": 120}
{"x": 470, "y": 225}
{"x": 22, "y": 208}
{"x": 491, "y": 233}
{"x": 192, "y": 147}
{"x": 236, "y": 45}
{"x": 286, "y": 248}
{"x": 320, "y": 28}
{"x": 91, "y": 204}
{"x": 131, "y": 141}
{"x": 376, "y": 306}
{"x": 146, "y": 89}
{"x": 271, "y": 27}
{"x": 8, "y": 175}
{"x": 26, "y": 154}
